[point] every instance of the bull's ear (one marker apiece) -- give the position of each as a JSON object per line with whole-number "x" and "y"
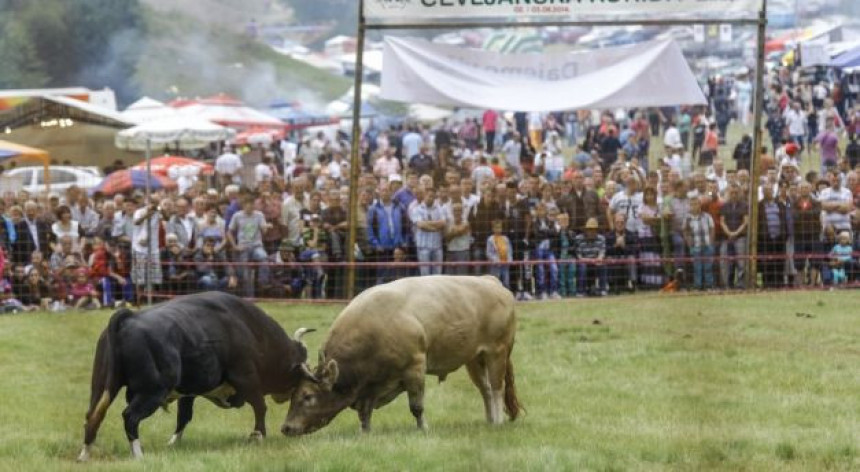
{"x": 329, "y": 374}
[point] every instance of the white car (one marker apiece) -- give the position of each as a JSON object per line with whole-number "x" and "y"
{"x": 32, "y": 178}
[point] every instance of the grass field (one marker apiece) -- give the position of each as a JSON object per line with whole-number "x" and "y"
{"x": 648, "y": 383}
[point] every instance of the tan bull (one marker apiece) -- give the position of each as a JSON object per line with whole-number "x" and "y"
{"x": 392, "y": 336}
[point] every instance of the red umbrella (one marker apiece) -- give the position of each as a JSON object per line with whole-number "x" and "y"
{"x": 127, "y": 180}
{"x": 160, "y": 165}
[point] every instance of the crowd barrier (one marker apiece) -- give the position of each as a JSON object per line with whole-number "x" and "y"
{"x": 323, "y": 281}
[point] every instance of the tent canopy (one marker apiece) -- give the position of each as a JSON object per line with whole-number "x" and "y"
{"x": 187, "y": 133}
{"x": 848, "y": 59}
{"x": 643, "y": 75}
{"x": 9, "y": 150}
{"x": 147, "y": 109}
{"x": 228, "y": 111}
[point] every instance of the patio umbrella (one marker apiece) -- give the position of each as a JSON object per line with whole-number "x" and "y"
{"x": 187, "y": 133}
{"x": 161, "y": 165}
{"x": 127, "y": 180}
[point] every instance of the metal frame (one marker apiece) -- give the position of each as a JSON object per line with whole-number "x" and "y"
{"x": 355, "y": 157}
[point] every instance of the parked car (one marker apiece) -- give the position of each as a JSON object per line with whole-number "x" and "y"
{"x": 32, "y": 178}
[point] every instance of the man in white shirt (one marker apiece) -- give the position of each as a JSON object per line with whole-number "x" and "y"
{"x": 837, "y": 205}
{"x": 795, "y": 121}
{"x": 672, "y": 137}
{"x": 512, "y": 149}
{"x": 144, "y": 244}
{"x": 289, "y": 150}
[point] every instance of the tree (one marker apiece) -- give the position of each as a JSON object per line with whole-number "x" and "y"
{"x": 20, "y": 66}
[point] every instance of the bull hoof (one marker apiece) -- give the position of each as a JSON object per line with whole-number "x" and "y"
{"x": 84, "y": 456}
{"x": 174, "y": 439}
{"x": 256, "y": 437}
{"x": 136, "y": 450}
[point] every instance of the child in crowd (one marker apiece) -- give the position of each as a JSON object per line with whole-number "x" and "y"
{"x": 36, "y": 293}
{"x": 499, "y": 251}
{"x": 102, "y": 272}
{"x": 82, "y": 294}
{"x": 314, "y": 237}
{"x": 543, "y": 233}
{"x": 841, "y": 259}
{"x": 566, "y": 248}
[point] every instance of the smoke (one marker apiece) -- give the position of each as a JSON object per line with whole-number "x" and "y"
{"x": 199, "y": 65}
{"x": 116, "y": 66}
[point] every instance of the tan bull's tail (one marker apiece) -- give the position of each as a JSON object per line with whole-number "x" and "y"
{"x": 512, "y": 403}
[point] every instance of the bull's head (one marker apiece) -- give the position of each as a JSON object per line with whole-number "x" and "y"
{"x": 315, "y": 401}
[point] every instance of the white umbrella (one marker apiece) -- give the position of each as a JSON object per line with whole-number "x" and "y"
{"x": 185, "y": 133}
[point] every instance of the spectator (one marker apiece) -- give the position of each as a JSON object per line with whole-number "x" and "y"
{"x": 771, "y": 238}
{"x": 384, "y": 230}
{"x": 621, "y": 249}
{"x": 335, "y": 223}
{"x": 500, "y": 254}
{"x": 211, "y": 228}
{"x": 146, "y": 266}
{"x": 65, "y": 226}
{"x": 566, "y": 268}
{"x": 36, "y": 294}
{"x": 245, "y": 235}
{"x": 733, "y": 220}
{"x": 542, "y": 236}
{"x": 212, "y": 267}
{"x": 315, "y": 241}
{"x": 84, "y": 215}
{"x": 183, "y": 225}
{"x": 429, "y": 222}
{"x": 102, "y": 272}
{"x": 458, "y": 237}
{"x": 842, "y": 266}
{"x": 82, "y": 294}
{"x": 590, "y": 255}
{"x": 699, "y": 234}
{"x": 422, "y": 163}
{"x": 650, "y": 250}
{"x": 837, "y": 205}
{"x": 177, "y": 269}
{"x": 288, "y": 280}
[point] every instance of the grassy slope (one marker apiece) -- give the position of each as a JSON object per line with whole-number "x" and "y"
{"x": 201, "y": 59}
{"x": 687, "y": 383}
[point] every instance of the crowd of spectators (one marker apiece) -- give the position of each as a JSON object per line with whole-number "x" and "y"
{"x": 554, "y": 205}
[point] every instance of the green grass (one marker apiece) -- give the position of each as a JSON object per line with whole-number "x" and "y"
{"x": 674, "y": 383}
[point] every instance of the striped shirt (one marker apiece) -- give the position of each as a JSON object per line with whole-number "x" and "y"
{"x": 590, "y": 248}
{"x": 427, "y": 239}
{"x": 700, "y": 227}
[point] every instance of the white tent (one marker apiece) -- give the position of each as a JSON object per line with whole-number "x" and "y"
{"x": 147, "y": 109}
{"x": 228, "y": 111}
{"x": 642, "y": 75}
{"x": 186, "y": 133}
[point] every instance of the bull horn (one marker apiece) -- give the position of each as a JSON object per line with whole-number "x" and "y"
{"x": 306, "y": 370}
{"x": 301, "y": 332}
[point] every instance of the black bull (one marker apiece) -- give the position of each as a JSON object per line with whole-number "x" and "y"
{"x": 212, "y": 344}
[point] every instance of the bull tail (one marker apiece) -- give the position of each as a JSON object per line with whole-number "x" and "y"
{"x": 512, "y": 403}
{"x": 107, "y": 378}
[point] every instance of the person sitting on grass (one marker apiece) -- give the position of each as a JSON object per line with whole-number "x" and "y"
{"x": 82, "y": 293}
{"x": 36, "y": 294}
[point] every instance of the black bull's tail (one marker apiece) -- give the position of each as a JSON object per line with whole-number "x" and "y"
{"x": 512, "y": 403}
{"x": 107, "y": 375}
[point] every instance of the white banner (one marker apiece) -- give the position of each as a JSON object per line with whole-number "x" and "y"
{"x": 644, "y": 75}
{"x": 421, "y": 10}
{"x": 812, "y": 54}
{"x": 725, "y": 33}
